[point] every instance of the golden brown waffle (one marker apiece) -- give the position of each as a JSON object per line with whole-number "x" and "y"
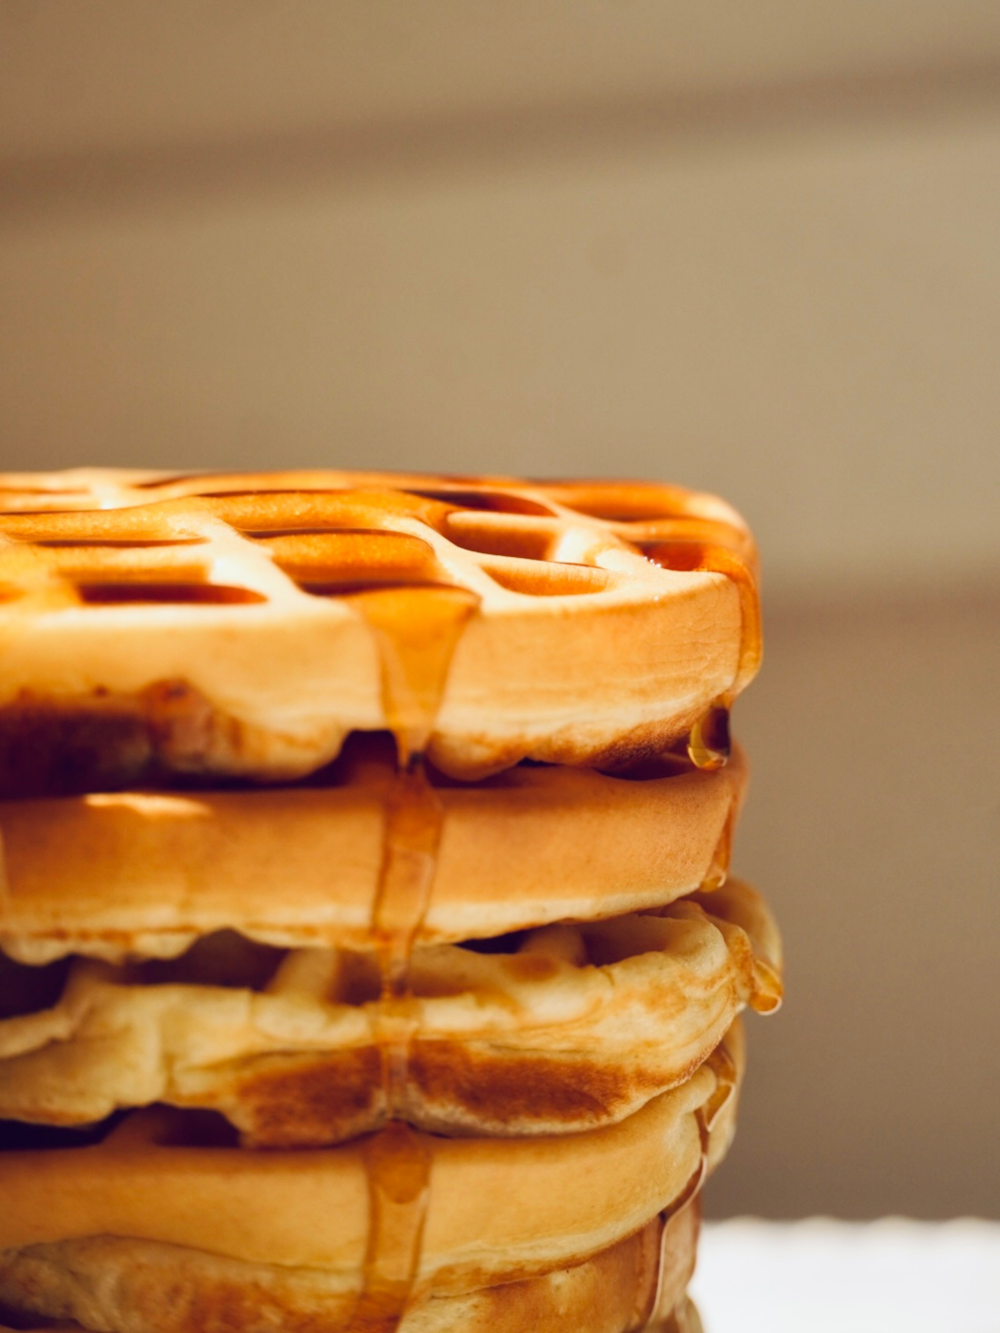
{"x": 244, "y": 624}
{"x": 175, "y": 1290}
{"x": 561, "y": 1029}
{"x": 148, "y": 872}
{"x": 494, "y": 1211}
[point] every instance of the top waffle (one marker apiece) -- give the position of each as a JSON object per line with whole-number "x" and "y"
{"x": 245, "y": 624}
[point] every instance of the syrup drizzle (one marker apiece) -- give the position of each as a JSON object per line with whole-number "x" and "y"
{"x": 718, "y": 870}
{"x": 693, "y": 544}
{"x": 417, "y": 629}
{"x": 398, "y": 1162}
{"x": 708, "y": 744}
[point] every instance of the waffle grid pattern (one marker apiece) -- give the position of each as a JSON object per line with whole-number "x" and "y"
{"x": 258, "y": 1034}
{"x": 113, "y": 538}
{"x": 243, "y": 626}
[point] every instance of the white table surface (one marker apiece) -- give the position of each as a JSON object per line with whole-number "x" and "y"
{"x": 821, "y": 1276}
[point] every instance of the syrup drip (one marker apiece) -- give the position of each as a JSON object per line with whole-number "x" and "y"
{"x": 709, "y": 745}
{"x": 696, "y": 545}
{"x": 718, "y": 870}
{"x": 768, "y": 988}
{"x": 417, "y": 630}
{"x": 398, "y": 1162}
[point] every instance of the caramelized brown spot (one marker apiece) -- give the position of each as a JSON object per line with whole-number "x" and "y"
{"x": 286, "y": 511}
{"x": 549, "y": 579}
{"x": 311, "y": 1101}
{"x": 327, "y": 559}
{"x": 126, "y": 543}
{"x": 132, "y": 525}
{"x": 498, "y": 502}
{"x": 533, "y": 966}
{"x": 181, "y": 594}
{"x": 526, "y": 541}
{"x": 495, "y": 1090}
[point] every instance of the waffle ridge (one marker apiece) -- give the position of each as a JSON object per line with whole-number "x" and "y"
{"x": 200, "y": 648}
{"x": 104, "y": 562}
{"x": 167, "y": 1175}
{"x": 538, "y": 1038}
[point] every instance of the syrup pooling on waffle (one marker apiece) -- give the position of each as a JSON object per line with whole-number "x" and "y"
{"x": 255, "y": 554}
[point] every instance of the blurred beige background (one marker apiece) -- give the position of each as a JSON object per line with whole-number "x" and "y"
{"x": 751, "y": 249}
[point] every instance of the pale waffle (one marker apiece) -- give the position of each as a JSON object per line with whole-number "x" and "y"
{"x": 557, "y": 1029}
{"x": 497, "y": 1211}
{"x": 244, "y": 624}
{"x": 145, "y": 873}
{"x": 153, "y": 1288}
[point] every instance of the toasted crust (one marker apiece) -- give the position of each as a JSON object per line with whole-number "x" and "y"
{"x": 213, "y": 625}
{"x": 578, "y": 1027}
{"x": 149, "y": 1288}
{"x": 553, "y": 1202}
{"x": 148, "y": 872}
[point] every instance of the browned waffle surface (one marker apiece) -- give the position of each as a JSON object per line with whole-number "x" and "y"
{"x": 554, "y": 1030}
{"x": 474, "y": 1211}
{"x": 148, "y": 872}
{"x": 247, "y": 623}
{"x": 171, "y": 1289}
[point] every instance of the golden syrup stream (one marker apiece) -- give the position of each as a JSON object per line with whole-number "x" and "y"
{"x": 718, "y": 870}
{"x": 690, "y": 544}
{"x": 709, "y": 745}
{"x": 417, "y": 630}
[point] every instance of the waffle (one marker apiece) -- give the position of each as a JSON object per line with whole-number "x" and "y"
{"x": 612, "y": 1292}
{"x": 567, "y": 1027}
{"x": 244, "y": 624}
{"x": 148, "y": 872}
{"x": 489, "y": 1211}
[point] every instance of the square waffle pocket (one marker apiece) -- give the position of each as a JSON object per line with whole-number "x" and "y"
{"x": 244, "y": 624}
{"x": 369, "y": 961}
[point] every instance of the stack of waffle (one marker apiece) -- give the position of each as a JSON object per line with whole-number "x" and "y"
{"x": 369, "y": 960}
